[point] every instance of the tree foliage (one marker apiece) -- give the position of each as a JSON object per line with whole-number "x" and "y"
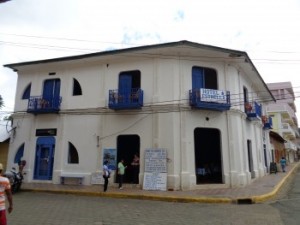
{"x": 1, "y": 102}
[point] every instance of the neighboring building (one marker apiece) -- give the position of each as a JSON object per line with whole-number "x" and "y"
{"x": 4, "y": 142}
{"x": 283, "y": 114}
{"x": 277, "y": 148}
{"x": 201, "y": 103}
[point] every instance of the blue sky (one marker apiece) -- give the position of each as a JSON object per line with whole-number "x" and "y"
{"x": 268, "y": 30}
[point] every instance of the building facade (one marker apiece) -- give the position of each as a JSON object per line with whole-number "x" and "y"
{"x": 284, "y": 118}
{"x": 202, "y": 104}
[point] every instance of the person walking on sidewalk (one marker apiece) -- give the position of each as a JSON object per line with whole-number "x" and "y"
{"x": 121, "y": 172}
{"x": 106, "y": 175}
{"x": 4, "y": 189}
{"x": 283, "y": 164}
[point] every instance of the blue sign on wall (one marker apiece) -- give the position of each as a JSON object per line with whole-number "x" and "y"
{"x": 110, "y": 155}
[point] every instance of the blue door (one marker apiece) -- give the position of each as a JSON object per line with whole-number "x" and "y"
{"x": 197, "y": 78}
{"x": 44, "y": 158}
{"x": 125, "y": 86}
{"x": 51, "y": 92}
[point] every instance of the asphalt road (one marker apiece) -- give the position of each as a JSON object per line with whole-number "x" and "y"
{"x": 289, "y": 204}
{"x": 58, "y": 209}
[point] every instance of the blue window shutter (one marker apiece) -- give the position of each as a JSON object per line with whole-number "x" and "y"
{"x": 125, "y": 84}
{"x": 51, "y": 89}
{"x": 197, "y": 78}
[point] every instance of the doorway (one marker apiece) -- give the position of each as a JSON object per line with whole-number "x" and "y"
{"x": 51, "y": 92}
{"x": 208, "y": 159}
{"x": 44, "y": 158}
{"x": 127, "y": 147}
{"x": 250, "y": 158}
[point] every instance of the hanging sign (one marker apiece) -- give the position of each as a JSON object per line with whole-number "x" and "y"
{"x": 210, "y": 95}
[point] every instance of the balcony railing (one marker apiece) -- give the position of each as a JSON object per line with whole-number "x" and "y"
{"x": 287, "y": 130}
{"x": 267, "y": 122}
{"x": 253, "y": 110}
{"x": 202, "y": 98}
{"x": 290, "y": 146}
{"x": 119, "y": 99}
{"x": 37, "y": 105}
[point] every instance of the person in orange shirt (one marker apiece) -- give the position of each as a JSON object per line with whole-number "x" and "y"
{"x": 4, "y": 189}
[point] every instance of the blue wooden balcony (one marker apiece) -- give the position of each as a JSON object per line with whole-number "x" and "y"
{"x": 253, "y": 110}
{"x": 39, "y": 105}
{"x": 267, "y": 122}
{"x": 210, "y": 99}
{"x": 119, "y": 99}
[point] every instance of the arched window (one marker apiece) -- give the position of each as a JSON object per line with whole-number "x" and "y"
{"x": 19, "y": 154}
{"x": 76, "y": 88}
{"x": 26, "y": 93}
{"x": 73, "y": 154}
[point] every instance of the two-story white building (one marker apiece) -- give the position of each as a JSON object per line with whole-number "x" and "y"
{"x": 201, "y": 103}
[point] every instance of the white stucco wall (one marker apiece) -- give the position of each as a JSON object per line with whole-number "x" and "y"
{"x": 166, "y": 82}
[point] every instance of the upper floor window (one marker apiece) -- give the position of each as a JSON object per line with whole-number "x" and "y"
{"x": 19, "y": 154}
{"x": 26, "y": 93}
{"x": 129, "y": 80}
{"x": 51, "y": 89}
{"x": 204, "y": 78}
{"x": 73, "y": 157}
{"x": 247, "y": 105}
{"x": 76, "y": 88}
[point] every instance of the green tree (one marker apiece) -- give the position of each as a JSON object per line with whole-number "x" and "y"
{"x": 1, "y": 102}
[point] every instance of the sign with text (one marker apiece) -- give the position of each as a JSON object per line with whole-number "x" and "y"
{"x": 97, "y": 178}
{"x": 155, "y": 176}
{"x": 210, "y": 95}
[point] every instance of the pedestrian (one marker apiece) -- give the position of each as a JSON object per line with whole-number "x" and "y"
{"x": 106, "y": 175}
{"x": 283, "y": 164}
{"x": 121, "y": 172}
{"x": 136, "y": 168}
{"x": 4, "y": 190}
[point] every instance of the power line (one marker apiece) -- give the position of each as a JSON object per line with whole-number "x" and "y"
{"x": 65, "y": 39}
{"x": 57, "y": 47}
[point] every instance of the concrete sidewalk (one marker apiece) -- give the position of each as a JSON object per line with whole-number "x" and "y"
{"x": 260, "y": 190}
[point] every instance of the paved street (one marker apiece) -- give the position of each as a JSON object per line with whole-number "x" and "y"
{"x": 35, "y": 208}
{"x": 60, "y": 209}
{"x": 289, "y": 203}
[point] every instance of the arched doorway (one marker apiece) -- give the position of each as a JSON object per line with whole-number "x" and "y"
{"x": 208, "y": 159}
{"x": 127, "y": 146}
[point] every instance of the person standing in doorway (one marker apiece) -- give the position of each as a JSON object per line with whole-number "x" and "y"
{"x": 106, "y": 175}
{"x": 136, "y": 168}
{"x": 121, "y": 172}
{"x": 283, "y": 164}
{"x": 4, "y": 190}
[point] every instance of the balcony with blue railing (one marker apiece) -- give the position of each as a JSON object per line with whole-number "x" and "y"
{"x": 39, "y": 105}
{"x": 253, "y": 110}
{"x": 210, "y": 99}
{"x": 119, "y": 99}
{"x": 267, "y": 122}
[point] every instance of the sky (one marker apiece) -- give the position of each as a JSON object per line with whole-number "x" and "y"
{"x": 268, "y": 30}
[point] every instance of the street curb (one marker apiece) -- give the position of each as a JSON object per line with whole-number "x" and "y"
{"x": 265, "y": 197}
{"x": 183, "y": 199}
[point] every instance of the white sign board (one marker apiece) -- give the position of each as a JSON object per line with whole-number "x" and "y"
{"x": 155, "y": 176}
{"x": 155, "y": 181}
{"x": 210, "y": 95}
{"x": 97, "y": 178}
